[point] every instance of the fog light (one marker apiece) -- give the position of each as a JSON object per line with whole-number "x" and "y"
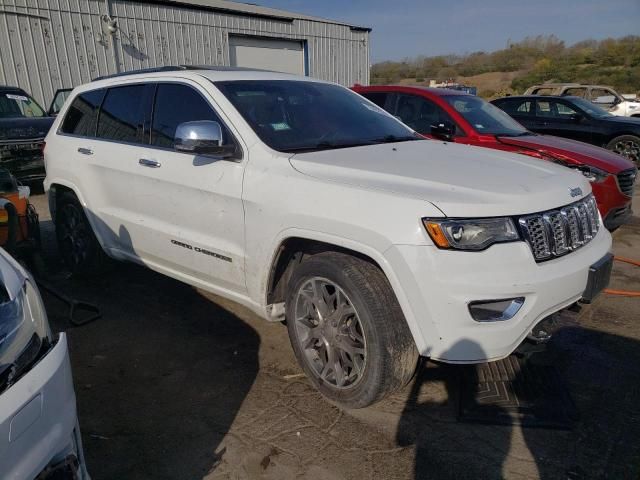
{"x": 495, "y": 310}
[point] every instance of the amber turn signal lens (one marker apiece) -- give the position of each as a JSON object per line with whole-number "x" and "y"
{"x": 436, "y": 234}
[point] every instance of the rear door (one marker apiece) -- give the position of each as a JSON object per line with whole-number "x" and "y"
{"x": 112, "y": 178}
{"x": 521, "y": 109}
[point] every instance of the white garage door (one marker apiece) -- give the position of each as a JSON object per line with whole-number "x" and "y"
{"x": 267, "y": 54}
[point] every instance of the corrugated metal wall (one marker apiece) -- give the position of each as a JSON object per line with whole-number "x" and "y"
{"x": 51, "y": 44}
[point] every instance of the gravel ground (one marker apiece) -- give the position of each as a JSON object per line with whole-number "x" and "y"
{"x": 174, "y": 383}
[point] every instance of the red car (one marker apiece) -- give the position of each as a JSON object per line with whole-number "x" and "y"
{"x": 456, "y": 116}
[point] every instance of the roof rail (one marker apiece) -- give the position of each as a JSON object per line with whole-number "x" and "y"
{"x": 174, "y": 68}
{"x": 166, "y": 68}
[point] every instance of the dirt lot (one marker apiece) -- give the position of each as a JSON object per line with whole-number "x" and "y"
{"x": 173, "y": 383}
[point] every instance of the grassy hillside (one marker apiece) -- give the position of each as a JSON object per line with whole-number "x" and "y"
{"x": 614, "y": 62}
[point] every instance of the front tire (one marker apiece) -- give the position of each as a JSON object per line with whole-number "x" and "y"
{"x": 628, "y": 146}
{"x": 78, "y": 245}
{"x": 347, "y": 329}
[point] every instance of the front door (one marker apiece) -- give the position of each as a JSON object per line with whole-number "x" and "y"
{"x": 557, "y": 117}
{"x": 191, "y": 218}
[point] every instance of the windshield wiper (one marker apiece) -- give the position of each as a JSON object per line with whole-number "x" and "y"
{"x": 325, "y": 146}
{"x": 521, "y": 134}
{"x": 395, "y": 139}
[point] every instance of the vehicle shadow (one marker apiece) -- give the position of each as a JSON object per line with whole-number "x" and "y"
{"x": 160, "y": 378}
{"x": 444, "y": 448}
{"x": 601, "y": 371}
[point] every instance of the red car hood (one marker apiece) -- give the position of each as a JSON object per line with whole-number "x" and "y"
{"x": 578, "y": 151}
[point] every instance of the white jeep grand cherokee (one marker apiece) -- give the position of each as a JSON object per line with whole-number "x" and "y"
{"x": 303, "y": 201}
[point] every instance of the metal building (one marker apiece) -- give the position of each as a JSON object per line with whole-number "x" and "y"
{"x": 51, "y": 44}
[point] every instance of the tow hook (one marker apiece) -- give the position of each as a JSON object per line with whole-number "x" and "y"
{"x": 543, "y": 331}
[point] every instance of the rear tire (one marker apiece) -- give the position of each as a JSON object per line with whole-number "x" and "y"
{"x": 628, "y": 146}
{"x": 77, "y": 244}
{"x": 347, "y": 329}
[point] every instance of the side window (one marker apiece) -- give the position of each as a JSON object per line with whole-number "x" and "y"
{"x": 59, "y": 98}
{"x": 82, "y": 116}
{"x": 597, "y": 93}
{"x": 564, "y": 111}
{"x": 524, "y": 108}
{"x": 554, "y": 109}
{"x": 603, "y": 97}
{"x": 543, "y": 91}
{"x": 122, "y": 114}
{"x": 576, "y": 92}
{"x": 543, "y": 108}
{"x": 516, "y": 107}
{"x": 420, "y": 113}
{"x": 176, "y": 104}
{"x": 379, "y": 98}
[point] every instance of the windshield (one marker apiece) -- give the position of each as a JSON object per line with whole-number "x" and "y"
{"x": 484, "y": 117}
{"x": 16, "y": 104}
{"x": 297, "y": 116}
{"x": 590, "y": 108}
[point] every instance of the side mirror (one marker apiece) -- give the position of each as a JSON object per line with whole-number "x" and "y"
{"x": 443, "y": 130}
{"x": 203, "y": 137}
{"x": 576, "y": 117}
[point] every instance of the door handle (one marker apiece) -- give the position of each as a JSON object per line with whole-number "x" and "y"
{"x": 85, "y": 151}
{"x": 145, "y": 162}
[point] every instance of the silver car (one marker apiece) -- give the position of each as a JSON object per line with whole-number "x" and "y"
{"x": 39, "y": 433}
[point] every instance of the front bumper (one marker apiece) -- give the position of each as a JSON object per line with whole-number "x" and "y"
{"x": 439, "y": 286}
{"x": 24, "y": 159}
{"x": 38, "y": 421}
{"x": 614, "y": 206}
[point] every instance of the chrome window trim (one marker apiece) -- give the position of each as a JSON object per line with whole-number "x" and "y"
{"x": 241, "y": 151}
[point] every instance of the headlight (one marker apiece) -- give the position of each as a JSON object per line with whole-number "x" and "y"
{"x": 470, "y": 234}
{"x": 24, "y": 334}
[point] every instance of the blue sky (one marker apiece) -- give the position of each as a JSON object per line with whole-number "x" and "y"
{"x": 406, "y": 28}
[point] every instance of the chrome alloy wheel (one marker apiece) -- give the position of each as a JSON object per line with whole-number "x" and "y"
{"x": 329, "y": 333}
{"x": 629, "y": 149}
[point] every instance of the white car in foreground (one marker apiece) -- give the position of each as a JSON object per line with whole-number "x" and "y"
{"x": 304, "y": 201}
{"x": 39, "y": 433}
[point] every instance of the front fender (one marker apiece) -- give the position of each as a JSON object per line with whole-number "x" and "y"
{"x": 420, "y": 330}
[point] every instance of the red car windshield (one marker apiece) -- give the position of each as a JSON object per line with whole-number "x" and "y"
{"x": 484, "y": 117}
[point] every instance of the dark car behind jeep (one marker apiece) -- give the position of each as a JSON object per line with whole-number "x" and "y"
{"x": 23, "y": 126}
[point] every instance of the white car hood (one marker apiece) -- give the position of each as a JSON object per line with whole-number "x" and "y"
{"x": 460, "y": 180}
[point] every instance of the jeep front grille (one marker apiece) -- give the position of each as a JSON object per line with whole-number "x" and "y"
{"x": 557, "y": 232}
{"x": 626, "y": 180}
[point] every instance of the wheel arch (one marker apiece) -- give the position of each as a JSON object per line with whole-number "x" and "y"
{"x": 293, "y": 248}
{"x": 621, "y": 134}
{"x": 56, "y": 189}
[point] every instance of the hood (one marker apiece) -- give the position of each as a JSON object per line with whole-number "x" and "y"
{"x": 632, "y": 123}
{"x": 24, "y": 128}
{"x": 582, "y": 153}
{"x": 460, "y": 180}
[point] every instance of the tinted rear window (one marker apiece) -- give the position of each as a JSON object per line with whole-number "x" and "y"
{"x": 122, "y": 114}
{"x": 516, "y": 106}
{"x": 82, "y": 115}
